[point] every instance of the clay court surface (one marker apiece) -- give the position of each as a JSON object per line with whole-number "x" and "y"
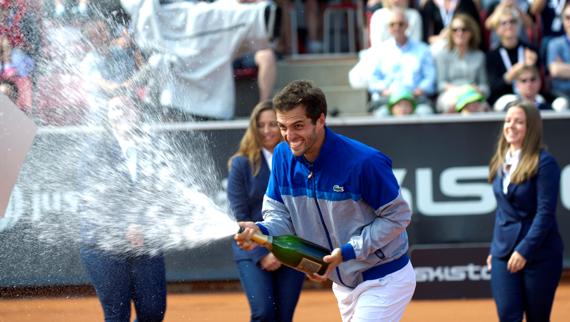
{"x": 315, "y": 305}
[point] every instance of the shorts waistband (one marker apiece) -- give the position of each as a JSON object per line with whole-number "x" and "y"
{"x": 382, "y": 270}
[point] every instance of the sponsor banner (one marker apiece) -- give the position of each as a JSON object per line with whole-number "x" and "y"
{"x": 440, "y": 163}
{"x": 451, "y": 271}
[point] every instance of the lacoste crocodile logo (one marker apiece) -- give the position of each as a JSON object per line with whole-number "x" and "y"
{"x": 337, "y": 188}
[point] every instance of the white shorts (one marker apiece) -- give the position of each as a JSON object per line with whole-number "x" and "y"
{"x": 383, "y": 299}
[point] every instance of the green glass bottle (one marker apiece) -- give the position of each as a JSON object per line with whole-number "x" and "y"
{"x": 295, "y": 252}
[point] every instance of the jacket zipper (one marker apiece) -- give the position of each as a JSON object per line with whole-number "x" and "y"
{"x": 311, "y": 177}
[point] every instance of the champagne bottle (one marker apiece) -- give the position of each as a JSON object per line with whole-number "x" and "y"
{"x": 294, "y": 252}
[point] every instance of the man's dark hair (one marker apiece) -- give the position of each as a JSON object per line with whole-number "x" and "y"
{"x": 302, "y": 92}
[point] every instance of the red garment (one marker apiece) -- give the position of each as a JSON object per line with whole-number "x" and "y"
{"x": 13, "y": 12}
{"x": 8, "y": 72}
{"x": 24, "y": 92}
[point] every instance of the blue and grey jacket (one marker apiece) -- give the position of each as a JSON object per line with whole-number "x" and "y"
{"x": 348, "y": 198}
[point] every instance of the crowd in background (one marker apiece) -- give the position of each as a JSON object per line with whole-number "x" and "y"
{"x": 465, "y": 56}
{"x": 62, "y": 58}
{"x": 84, "y": 53}
{"x": 44, "y": 43}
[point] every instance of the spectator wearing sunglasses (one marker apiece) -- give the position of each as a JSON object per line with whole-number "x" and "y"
{"x": 436, "y": 19}
{"x": 460, "y": 64}
{"x": 523, "y": 10}
{"x": 528, "y": 88}
{"x": 505, "y": 62}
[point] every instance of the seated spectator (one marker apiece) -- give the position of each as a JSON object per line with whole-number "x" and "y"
{"x": 15, "y": 62}
{"x": 437, "y": 15}
{"x": 472, "y": 8}
{"x": 460, "y": 63}
{"x": 551, "y": 19}
{"x": 521, "y": 7}
{"x": 558, "y": 59}
{"x": 504, "y": 62}
{"x": 402, "y": 103}
{"x": 470, "y": 101}
{"x": 527, "y": 85}
{"x": 379, "y": 30}
{"x": 401, "y": 63}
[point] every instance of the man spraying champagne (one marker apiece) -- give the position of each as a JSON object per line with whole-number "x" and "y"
{"x": 341, "y": 194}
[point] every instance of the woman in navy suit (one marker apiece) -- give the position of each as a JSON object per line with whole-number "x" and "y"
{"x": 120, "y": 264}
{"x": 526, "y": 251}
{"x": 272, "y": 289}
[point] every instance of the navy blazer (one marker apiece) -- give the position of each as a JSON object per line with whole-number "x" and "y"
{"x": 245, "y": 195}
{"x": 525, "y": 218}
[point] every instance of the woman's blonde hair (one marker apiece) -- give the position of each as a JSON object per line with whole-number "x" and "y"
{"x": 530, "y": 152}
{"x": 387, "y": 4}
{"x": 506, "y": 12}
{"x": 471, "y": 26}
{"x": 250, "y": 144}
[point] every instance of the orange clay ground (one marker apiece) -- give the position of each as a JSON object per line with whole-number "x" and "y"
{"x": 315, "y": 305}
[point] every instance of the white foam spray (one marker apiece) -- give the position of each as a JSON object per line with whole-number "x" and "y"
{"x": 173, "y": 211}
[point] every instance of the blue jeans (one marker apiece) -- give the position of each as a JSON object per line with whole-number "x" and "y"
{"x": 119, "y": 278}
{"x": 529, "y": 291}
{"x": 273, "y": 295}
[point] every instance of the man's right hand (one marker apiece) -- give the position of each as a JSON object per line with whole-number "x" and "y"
{"x": 334, "y": 259}
{"x": 243, "y": 239}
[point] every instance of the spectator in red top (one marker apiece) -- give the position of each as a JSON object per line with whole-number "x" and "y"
{"x": 11, "y": 14}
{"x": 19, "y": 25}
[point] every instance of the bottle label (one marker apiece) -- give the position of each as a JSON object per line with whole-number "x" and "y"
{"x": 309, "y": 266}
